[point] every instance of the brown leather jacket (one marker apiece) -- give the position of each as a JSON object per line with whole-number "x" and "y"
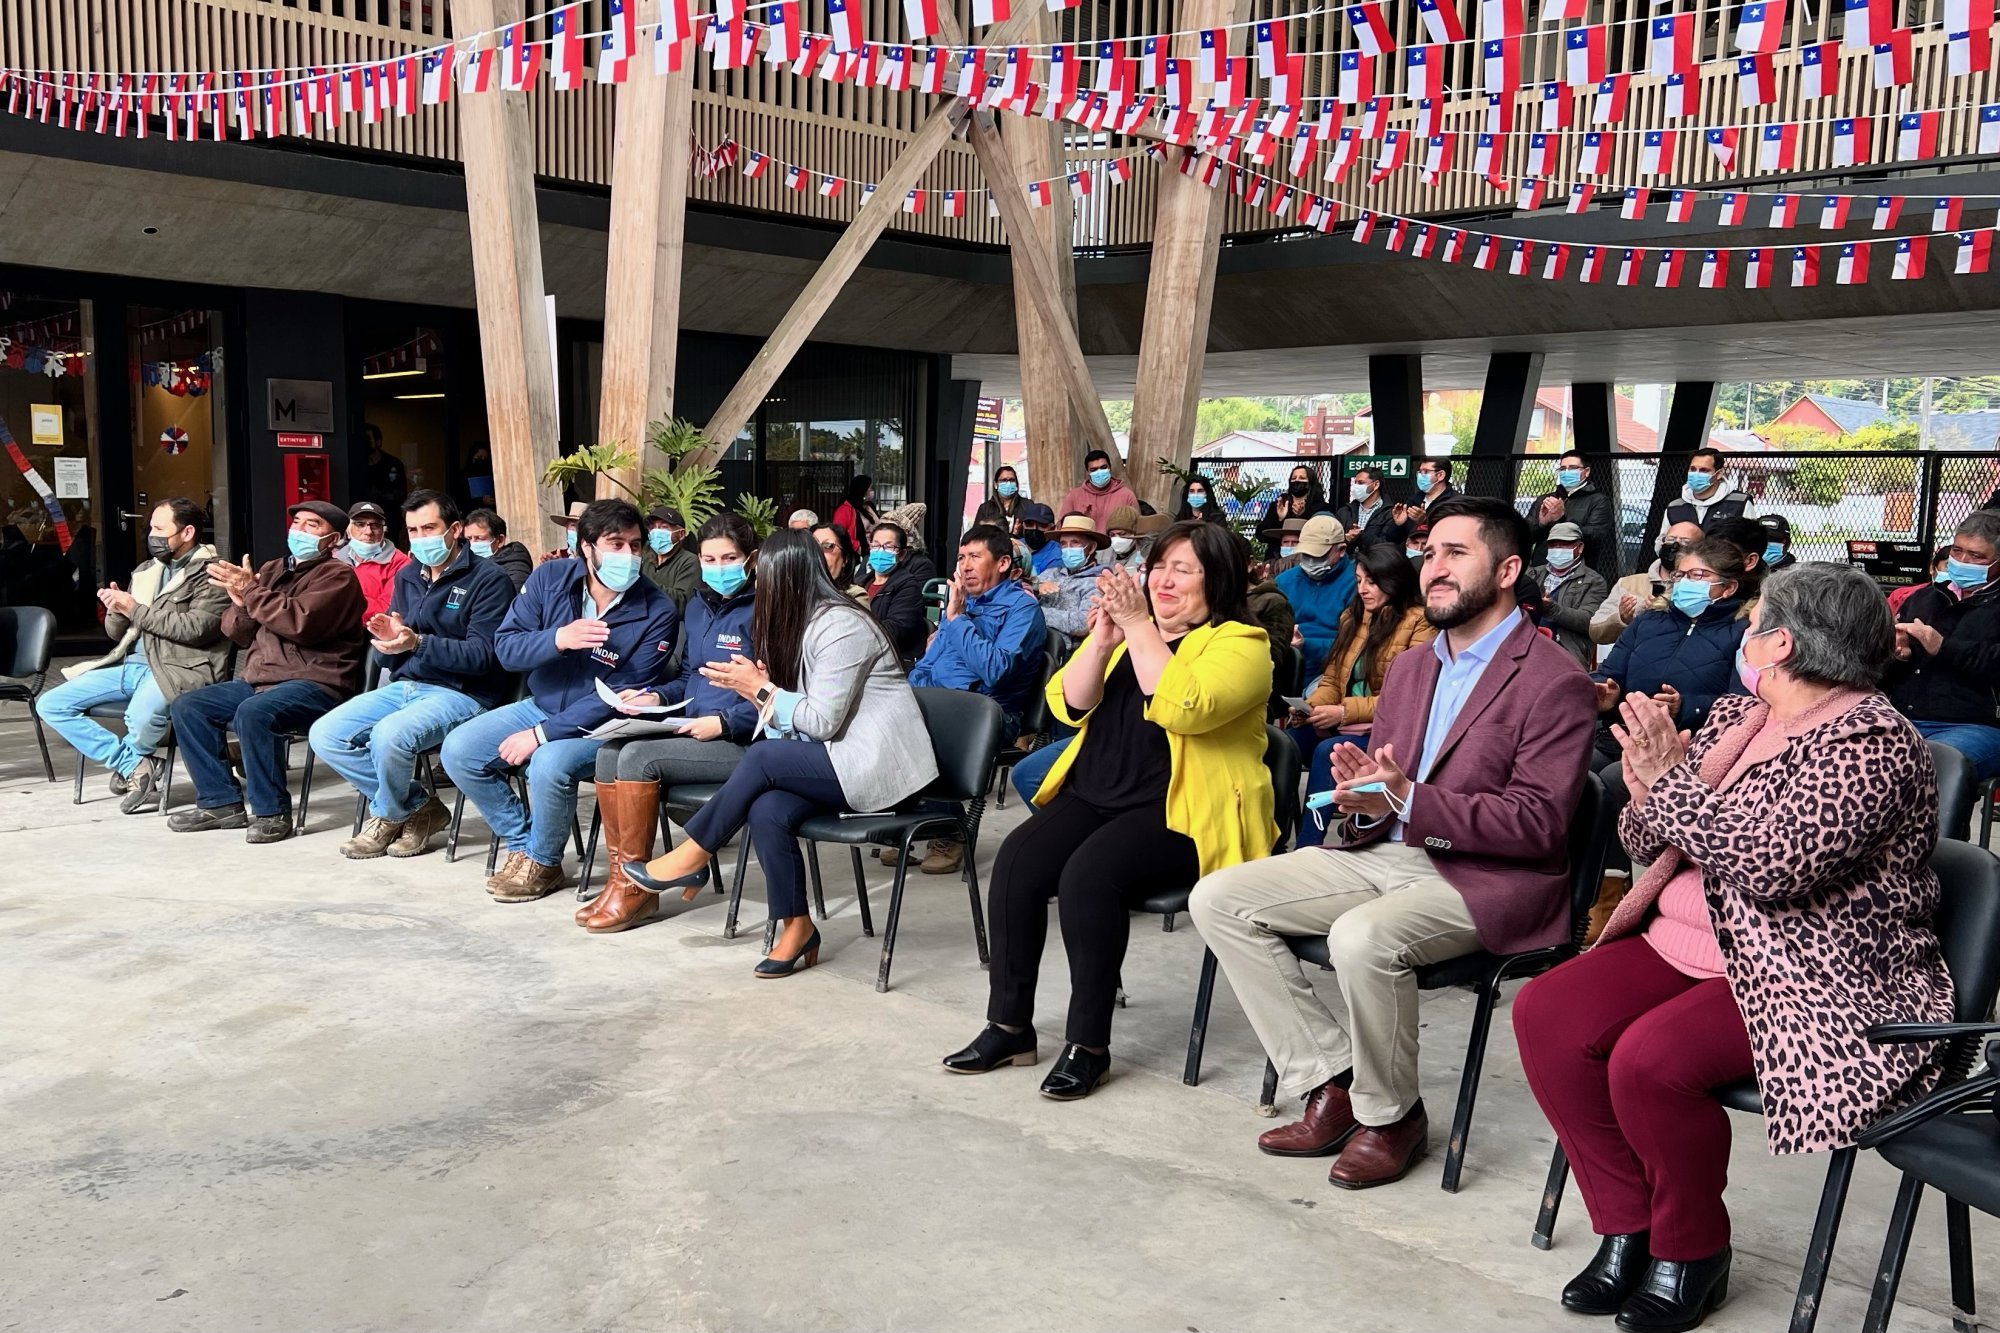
{"x": 1411, "y": 631}
{"x": 301, "y": 623}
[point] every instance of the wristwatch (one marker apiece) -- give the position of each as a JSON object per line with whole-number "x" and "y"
{"x": 764, "y": 693}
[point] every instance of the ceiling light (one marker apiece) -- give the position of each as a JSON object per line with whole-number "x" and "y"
{"x": 412, "y": 397}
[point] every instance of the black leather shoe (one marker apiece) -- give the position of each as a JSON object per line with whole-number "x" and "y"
{"x": 1675, "y": 1296}
{"x": 995, "y": 1048}
{"x": 1602, "y": 1287}
{"x": 798, "y": 962}
{"x": 1075, "y": 1075}
{"x": 636, "y": 872}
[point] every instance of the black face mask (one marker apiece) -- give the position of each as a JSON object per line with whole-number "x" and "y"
{"x": 160, "y": 548}
{"x": 1033, "y": 539}
{"x": 1301, "y": 489}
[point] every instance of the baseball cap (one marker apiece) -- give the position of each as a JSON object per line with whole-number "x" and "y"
{"x": 1778, "y": 526}
{"x": 364, "y": 509}
{"x": 1318, "y": 535}
{"x": 1037, "y": 512}
{"x": 1565, "y": 532}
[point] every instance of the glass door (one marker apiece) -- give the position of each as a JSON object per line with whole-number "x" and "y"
{"x": 49, "y": 519}
{"x": 179, "y": 444}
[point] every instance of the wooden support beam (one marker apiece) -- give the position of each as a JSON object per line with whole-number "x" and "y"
{"x": 496, "y": 140}
{"x": 642, "y": 276}
{"x": 1032, "y": 264}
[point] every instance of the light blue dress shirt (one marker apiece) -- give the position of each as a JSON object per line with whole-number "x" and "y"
{"x": 1458, "y": 676}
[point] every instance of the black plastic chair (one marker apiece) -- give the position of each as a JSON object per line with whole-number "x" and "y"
{"x": 1281, "y": 760}
{"x": 1968, "y": 930}
{"x": 1590, "y": 832}
{"x": 965, "y": 737}
{"x": 1034, "y": 724}
{"x": 32, "y": 632}
{"x": 1958, "y": 791}
{"x": 683, "y": 799}
{"x": 114, "y": 712}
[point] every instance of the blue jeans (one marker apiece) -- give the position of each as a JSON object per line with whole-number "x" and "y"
{"x": 373, "y": 741}
{"x": 472, "y": 756}
{"x": 146, "y": 721}
{"x": 1035, "y": 765}
{"x": 1978, "y": 743}
{"x": 204, "y": 717}
{"x": 1319, "y": 777}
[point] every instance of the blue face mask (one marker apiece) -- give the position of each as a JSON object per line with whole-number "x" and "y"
{"x": 881, "y": 561}
{"x": 1569, "y": 478}
{"x": 302, "y": 545}
{"x": 618, "y": 570}
{"x": 1073, "y": 557}
{"x": 1358, "y": 492}
{"x": 1690, "y": 597}
{"x": 429, "y": 552}
{"x": 1426, "y": 480}
{"x": 1942, "y": 576}
{"x": 484, "y": 550}
{"x": 1965, "y": 576}
{"x": 1100, "y": 476}
{"x": 725, "y": 580}
{"x": 570, "y": 540}
{"x": 1006, "y": 490}
{"x": 1700, "y": 481}
{"x": 1196, "y": 499}
{"x": 365, "y": 550}
{"x": 660, "y": 539}
{"x": 1773, "y": 553}
{"x": 1561, "y": 558}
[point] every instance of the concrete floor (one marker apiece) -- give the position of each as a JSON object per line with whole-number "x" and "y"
{"x": 266, "y": 1088}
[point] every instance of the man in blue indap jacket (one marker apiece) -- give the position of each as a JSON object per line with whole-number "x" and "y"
{"x": 575, "y": 623}
{"x": 988, "y": 641}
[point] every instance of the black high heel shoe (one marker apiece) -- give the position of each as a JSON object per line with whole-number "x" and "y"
{"x": 1076, "y": 1074}
{"x": 799, "y": 962}
{"x": 1603, "y": 1286}
{"x": 994, "y": 1048}
{"x": 1675, "y": 1296}
{"x": 695, "y": 882}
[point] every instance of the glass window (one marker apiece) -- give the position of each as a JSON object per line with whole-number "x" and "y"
{"x": 407, "y": 425}
{"x": 177, "y": 413}
{"x": 50, "y": 523}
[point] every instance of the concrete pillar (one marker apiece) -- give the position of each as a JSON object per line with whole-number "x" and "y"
{"x": 1396, "y": 401}
{"x": 1505, "y": 410}
{"x": 1594, "y": 413}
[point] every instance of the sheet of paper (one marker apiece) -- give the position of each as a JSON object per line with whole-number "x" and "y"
{"x": 626, "y": 727}
{"x": 610, "y": 698}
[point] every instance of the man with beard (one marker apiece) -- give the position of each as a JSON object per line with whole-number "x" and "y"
{"x": 1450, "y": 837}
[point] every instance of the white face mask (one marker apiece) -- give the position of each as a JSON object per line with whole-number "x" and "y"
{"x": 1121, "y": 546}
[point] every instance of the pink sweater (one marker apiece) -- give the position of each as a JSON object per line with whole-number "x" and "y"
{"x": 1681, "y": 931}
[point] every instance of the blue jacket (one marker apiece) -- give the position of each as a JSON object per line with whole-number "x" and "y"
{"x": 458, "y": 616}
{"x": 1696, "y": 657}
{"x": 564, "y": 684}
{"x": 717, "y": 628}
{"x": 994, "y": 648}
{"x": 1318, "y": 603}
{"x": 1047, "y": 558}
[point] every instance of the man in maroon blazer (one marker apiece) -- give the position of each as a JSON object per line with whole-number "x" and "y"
{"x": 1452, "y": 837}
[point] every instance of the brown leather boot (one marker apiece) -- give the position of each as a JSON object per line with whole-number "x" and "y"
{"x": 1323, "y": 1126}
{"x": 1382, "y": 1154}
{"x": 611, "y": 837}
{"x": 624, "y": 904}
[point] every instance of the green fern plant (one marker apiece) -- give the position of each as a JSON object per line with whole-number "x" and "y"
{"x": 761, "y": 514}
{"x": 676, "y": 439}
{"x": 590, "y": 462}
{"x": 1183, "y": 475}
{"x": 1245, "y": 492}
{"x": 696, "y": 491}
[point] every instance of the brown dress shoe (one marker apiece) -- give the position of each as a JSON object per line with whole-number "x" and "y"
{"x": 1382, "y": 1155}
{"x": 1326, "y": 1123}
{"x": 631, "y": 815}
{"x": 533, "y": 881}
{"x": 510, "y": 869}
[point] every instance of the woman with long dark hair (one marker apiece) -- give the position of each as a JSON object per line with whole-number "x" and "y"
{"x": 856, "y": 512}
{"x": 1007, "y": 493}
{"x": 1199, "y": 503}
{"x": 841, "y": 732}
{"x": 1385, "y": 620}
{"x": 1164, "y": 783}
{"x": 1301, "y": 499}
{"x": 837, "y": 549}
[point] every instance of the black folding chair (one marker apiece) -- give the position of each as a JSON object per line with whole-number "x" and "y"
{"x": 1968, "y": 930}
{"x": 1034, "y": 727}
{"x": 1958, "y": 791}
{"x": 115, "y": 712}
{"x": 965, "y": 738}
{"x": 31, "y": 632}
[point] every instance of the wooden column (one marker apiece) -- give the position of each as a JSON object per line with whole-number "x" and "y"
{"x": 1187, "y": 233}
{"x": 496, "y": 140}
{"x": 642, "y": 277}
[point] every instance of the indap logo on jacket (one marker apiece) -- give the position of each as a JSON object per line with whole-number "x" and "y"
{"x": 732, "y": 643}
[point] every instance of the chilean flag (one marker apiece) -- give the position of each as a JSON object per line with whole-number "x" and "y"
{"x": 1426, "y": 241}
{"x": 1722, "y": 143}
{"x": 1542, "y": 154}
{"x": 844, "y": 23}
{"x": 1272, "y": 49}
{"x": 1118, "y": 170}
{"x": 1761, "y": 26}
{"x": 1500, "y": 114}
{"x": 1591, "y": 266}
{"x": 1399, "y": 232}
{"x": 1425, "y": 68}
{"x": 1805, "y": 266}
{"x": 1486, "y": 155}
{"x": 1346, "y": 150}
{"x": 1852, "y": 269}
{"x": 1680, "y": 206}
{"x": 1714, "y": 268}
{"x": 1179, "y": 87}
{"x": 565, "y": 50}
{"x": 1214, "y": 60}
{"x": 1889, "y": 211}
{"x": 1912, "y": 252}
{"x": 1833, "y": 212}
{"x": 787, "y": 40}
{"x": 1503, "y": 18}
{"x": 1967, "y": 52}
{"x": 1580, "y": 195}
{"x": 1441, "y": 20}
{"x": 831, "y": 186}
{"x": 1395, "y": 152}
{"x": 475, "y": 72}
{"x": 1530, "y": 198}
{"x": 755, "y": 165}
{"x": 1583, "y": 56}
{"x": 795, "y": 178}
{"x": 1784, "y": 210}
{"x": 437, "y": 77}
{"x": 1609, "y": 106}
{"x": 1356, "y": 83}
{"x": 1892, "y": 60}
{"x": 1371, "y": 30}
{"x": 1484, "y": 256}
{"x": 1683, "y": 95}
{"x": 1916, "y": 136}
{"x": 1778, "y": 148}
{"x": 1437, "y": 158}
{"x": 1375, "y": 118}
{"x": 913, "y": 201}
{"x": 1989, "y": 128}
{"x": 1757, "y": 268}
{"x": 1868, "y": 22}
{"x": 1595, "y": 156}
{"x": 1039, "y": 194}
{"x": 1502, "y": 60}
{"x": 1656, "y": 153}
{"x": 954, "y": 203}
{"x": 1756, "y": 80}
{"x": 1555, "y": 11}
{"x": 1672, "y": 44}
{"x": 1364, "y": 228}
{"x": 921, "y": 16}
{"x": 1851, "y": 137}
{"x": 985, "y": 13}
{"x": 1668, "y": 274}
{"x": 1153, "y": 62}
{"x": 1519, "y": 258}
{"x": 1628, "y": 267}
{"x": 1975, "y": 252}
{"x": 1558, "y": 107}
{"x": 1634, "y": 208}
{"x": 1819, "y": 70}
{"x": 1945, "y": 213}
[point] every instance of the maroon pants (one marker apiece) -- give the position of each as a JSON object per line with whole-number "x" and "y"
{"x": 1621, "y": 1051}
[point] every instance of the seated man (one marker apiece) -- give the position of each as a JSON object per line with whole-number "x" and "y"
{"x": 436, "y": 645}
{"x": 375, "y": 558}
{"x": 301, "y": 620}
{"x": 802, "y": 520}
{"x": 1947, "y": 664}
{"x": 486, "y": 534}
{"x": 1453, "y": 839}
{"x": 168, "y": 639}
{"x": 577, "y": 622}
{"x": 988, "y": 641}
{"x": 671, "y": 564}
{"x": 567, "y": 522}
{"x": 1563, "y": 593}
{"x": 1043, "y": 553}
{"x": 1067, "y": 589}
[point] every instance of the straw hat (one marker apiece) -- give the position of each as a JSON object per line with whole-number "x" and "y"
{"x": 1080, "y": 525}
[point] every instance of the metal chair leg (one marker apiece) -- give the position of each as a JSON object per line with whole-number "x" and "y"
{"x": 972, "y": 891}
{"x": 1167, "y": 922}
{"x": 360, "y": 811}
{"x": 589, "y": 856}
{"x": 1204, "y": 996}
{"x": 736, "y": 888}
{"x": 451, "y": 835}
{"x": 1895, "y": 1247}
{"x": 78, "y": 800}
{"x": 167, "y": 780}
{"x": 41, "y": 737}
{"x": 1267, "y": 1100}
{"x": 1552, "y": 1198}
{"x": 1468, "y": 1085}
{"x": 861, "y": 894}
{"x": 812, "y": 864}
{"x": 1819, "y": 1251}
{"x": 1958, "y": 1237}
{"x": 895, "y": 912}
{"x": 306, "y": 789}
{"x": 1986, "y": 813}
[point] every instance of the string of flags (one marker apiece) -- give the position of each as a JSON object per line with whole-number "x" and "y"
{"x": 33, "y": 359}
{"x": 1079, "y": 184}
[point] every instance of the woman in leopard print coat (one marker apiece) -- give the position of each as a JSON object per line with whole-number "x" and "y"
{"x": 1786, "y": 909}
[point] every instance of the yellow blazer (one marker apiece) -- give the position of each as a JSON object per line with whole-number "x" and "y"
{"x": 1210, "y": 702}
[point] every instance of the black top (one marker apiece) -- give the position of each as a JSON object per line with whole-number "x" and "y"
{"x": 1124, "y": 761}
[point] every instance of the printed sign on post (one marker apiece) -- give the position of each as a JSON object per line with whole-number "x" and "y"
{"x": 72, "y": 478}
{"x": 45, "y": 424}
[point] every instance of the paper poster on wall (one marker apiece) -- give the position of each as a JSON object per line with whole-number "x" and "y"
{"x": 72, "y": 478}
{"x": 45, "y": 424}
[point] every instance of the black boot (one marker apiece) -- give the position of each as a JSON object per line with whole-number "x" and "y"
{"x": 1675, "y": 1296}
{"x": 1611, "y": 1277}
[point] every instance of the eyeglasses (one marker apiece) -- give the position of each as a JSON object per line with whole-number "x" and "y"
{"x": 1699, "y": 576}
{"x": 829, "y": 546}
{"x": 890, "y": 547}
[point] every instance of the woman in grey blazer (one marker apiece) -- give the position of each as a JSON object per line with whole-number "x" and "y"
{"x": 841, "y": 732}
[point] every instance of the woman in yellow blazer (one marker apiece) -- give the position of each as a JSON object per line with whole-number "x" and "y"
{"x": 1164, "y": 783}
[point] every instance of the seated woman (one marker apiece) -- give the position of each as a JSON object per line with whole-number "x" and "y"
{"x": 837, "y": 549}
{"x": 1198, "y": 503}
{"x": 1164, "y": 783}
{"x": 1681, "y": 653}
{"x": 896, "y": 588}
{"x": 718, "y": 724}
{"x": 843, "y": 732}
{"x": 1787, "y": 908}
{"x": 1385, "y": 618}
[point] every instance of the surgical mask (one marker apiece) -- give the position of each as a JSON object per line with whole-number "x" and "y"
{"x": 569, "y": 539}
{"x": 1006, "y": 490}
{"x": 1287, "y": 552}
{"x": 1569, "y": 478}
{"x": 1197, "y": 499}
{"x": 1750, "y": 675}
{"x": 429, "y": 552}
{"x": 1034, "y": 538}
{"x": 1773, "y": 553}
{"x": 1966, "y": 577}
{"x": 366, "y": 550}
{"x": 1317, "y": 567}
{"x": 1414, "y": 552}
{"x": 1560, "y": 558}
{"x": 1100, "y": 476}
{"x": 302, "y": 545}
{"x": 1426, "y": 480}
{"x": 881, "y": 561}
{"x": 618, "y": 570}
{"x": 1690, "y": 597}
{"x": 1358, "y": 491}
{"x": 160, "y": 548}
{"x": 1301, "y": 488}
{"x": 725, "y": 579}
{"x": 1074, "y": 556}
{"x": 484, "y": 550}
{"x": 660, "y": 539}
{"x": 1121, "y": 545}
{"x": 1700, "y": 481}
